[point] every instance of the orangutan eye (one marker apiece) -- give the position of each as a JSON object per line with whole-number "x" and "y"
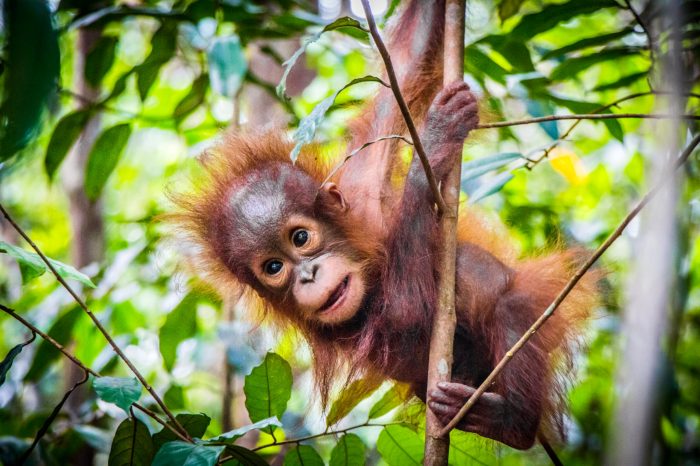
{"x": 300, "y": 237}
{"x": 273, "y": 267}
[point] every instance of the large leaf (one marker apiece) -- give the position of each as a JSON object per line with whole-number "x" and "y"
{"x": 243, "y": 457}
{"x": 470, "y": 449}
{"x": 6, "y": 363}
{"x": 195, "y": 425}
{"x": 100, "y": 60}
{"x": 340, "y": 23}
{"x": 180, "y": 324}
{"x": 268, "y": 388}
{"x": 624, "y": 81}
{"x": 478, "y": 63}
{"x": 490, "y": 186}
{"x": 122, "y": 391}
{"x": 552, "y": 14}
{"x": 350, "y": 451}
{"x": 232, "y": 435}
{"x": 308, "y": 125}
{"x": 64, "y": 135}
{"x": 303, "y": 455}
{"x": 400, "y": 446}
{"x": 602, "y": 39}
{"x": 573, "y": 66}
{"x": 103, "y": 158}
{"x": 32, "y": 266}
{"x": 61, "y": 331}
{"x": 227, "y": 65}
{"x": 132, "y": 445}
{"x": 391, "y": 399}
{"x": 32, "y": 56}
{"x": 193, "y": 99}
{"x": 351, "y": 395}
{"x": 162, "y": 50}
{"x": 187, "y": 454}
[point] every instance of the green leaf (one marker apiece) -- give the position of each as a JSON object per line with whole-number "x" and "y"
{"x": 573, "y": 66}
{"x": 467, "y": 448}
{"x": 308, "y": 125}
{"x": 227, "y": 65}
{"x": 303, "y": 455}
{"x": 163, "y": 43}
{"x": 478, "y": 63}
{"x": 179, "y": 453}
{"x": 132, "y": 445}
{"x": 391, "y": 399}
{"x": 624, "y": 81}
{"x": 180, "y": 324}
{"x": 552, "y": 14}
{"x": 46, "y": 353}
{"x": 195, "y": 425}
{"x": 174, "y": 397}
{"x": 508, "y": 8}
{"x": 193, "y": 99}
{"x": 100, "y": 59}
{"x": 32, "y": 57}
{"x": 103, "y": 158}
{"x": 99, "y": 439}
{"x": 475, "y": 168}
{"x": 32, "y": 266}
{"x": 6, "y": 363}
{"x": 350, "y": 451}
{"x": 122, "y": 391}
{"x": 539, "y": 108}
{"x": 603, "y": 39}
{"x": 576, "y": 106}
{"x": 268, "y": 388}
{"x": 233, "y": 435}
{"x": 344, "y": 22}
{"x": 243, "y": 457}
{"x": 400, "y": 446}
{"x": 351, "y": 395}
{"x": 490, "y": 187}
{"x": 65, "y": 134}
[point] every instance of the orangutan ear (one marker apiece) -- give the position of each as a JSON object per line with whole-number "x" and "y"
{"x": 332, "y": 198}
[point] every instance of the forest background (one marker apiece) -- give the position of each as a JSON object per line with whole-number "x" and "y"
{"x": 105, "y": 106}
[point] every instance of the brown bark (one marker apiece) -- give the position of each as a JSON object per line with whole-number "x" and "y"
{"x": 439, "y": 369}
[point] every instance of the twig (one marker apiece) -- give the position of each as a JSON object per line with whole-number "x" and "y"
{"x": 80, "y": 364}
{"x": 49, "y": 420}
{"x": 586, "y": 116}
{"x": 386, "y": 58}
{"x": 645, "y": 28}
{"x": 566, "y": 290}
{"x": 96, "y": 321}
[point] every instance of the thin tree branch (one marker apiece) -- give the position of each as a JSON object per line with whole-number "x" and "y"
{"x": 645, "y": 28}
{"x": 97, "y": 323}
{"x": 567, "y": 289}
{"x": 12, "y": 313}
{"x": 586, "y": 116}
{"x": 386, "y": 58}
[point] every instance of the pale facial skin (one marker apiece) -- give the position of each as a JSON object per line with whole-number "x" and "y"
{"x": 326, "y": 287}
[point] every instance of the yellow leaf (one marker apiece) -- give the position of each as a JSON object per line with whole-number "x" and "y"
{"x": 567, "y": 164}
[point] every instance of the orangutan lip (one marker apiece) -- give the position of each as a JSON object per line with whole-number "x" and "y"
{"x": 336, "y": 296}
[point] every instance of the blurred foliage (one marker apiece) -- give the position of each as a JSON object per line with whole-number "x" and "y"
{"x": 167, "y": 74}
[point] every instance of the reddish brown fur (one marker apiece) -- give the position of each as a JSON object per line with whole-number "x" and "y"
{"x": 394, "y": 236}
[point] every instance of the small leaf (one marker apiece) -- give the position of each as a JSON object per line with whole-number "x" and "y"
{"x": 475, "y": 168}
{"x": 193, "y": 99}
{"x": 552, "y": 14}
{"x": 122, "y": 391}
{"x": 490, "y": 187}
{"x": 508, "y": 8}
{"x": 391, "y": 399}
{"x": 344, "y": 22}
{"x": 308, "y": 125}
{"x": 350, "y": 451}
{"x": 622, "y": 82}
{"x": 32, "y": 56}
{"x": 567, "y": 164}
{"x": 303, "y": 455}
{"x": 400, "y": 446}
{"x": 268, "y": 388}
{"x": 538, "y": 108}
{"x": 162, "y": 50}
{"x": 132, "y": 445}
{"x": 227, "y": 65}
{"x": 572, "y": 66}
{"x": 180, "y": 324}
{"x": 61, "y": 331}
{"x": 195, "y": 425}
{"x": 64, "y": 135}
{"x": 100, "y": 59}
{"x": 6, "y": 363}
{"x": 232, "y": 435}
{"x": 103, "y": 158}
{"x": 244, "y": 457}
{"x": 351, "y": 395}
{"x": 32, "y": 266}
{"x": 174, "y": 397}
{"x": 593, "y": 41}
{"x": 179, "y": 453}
